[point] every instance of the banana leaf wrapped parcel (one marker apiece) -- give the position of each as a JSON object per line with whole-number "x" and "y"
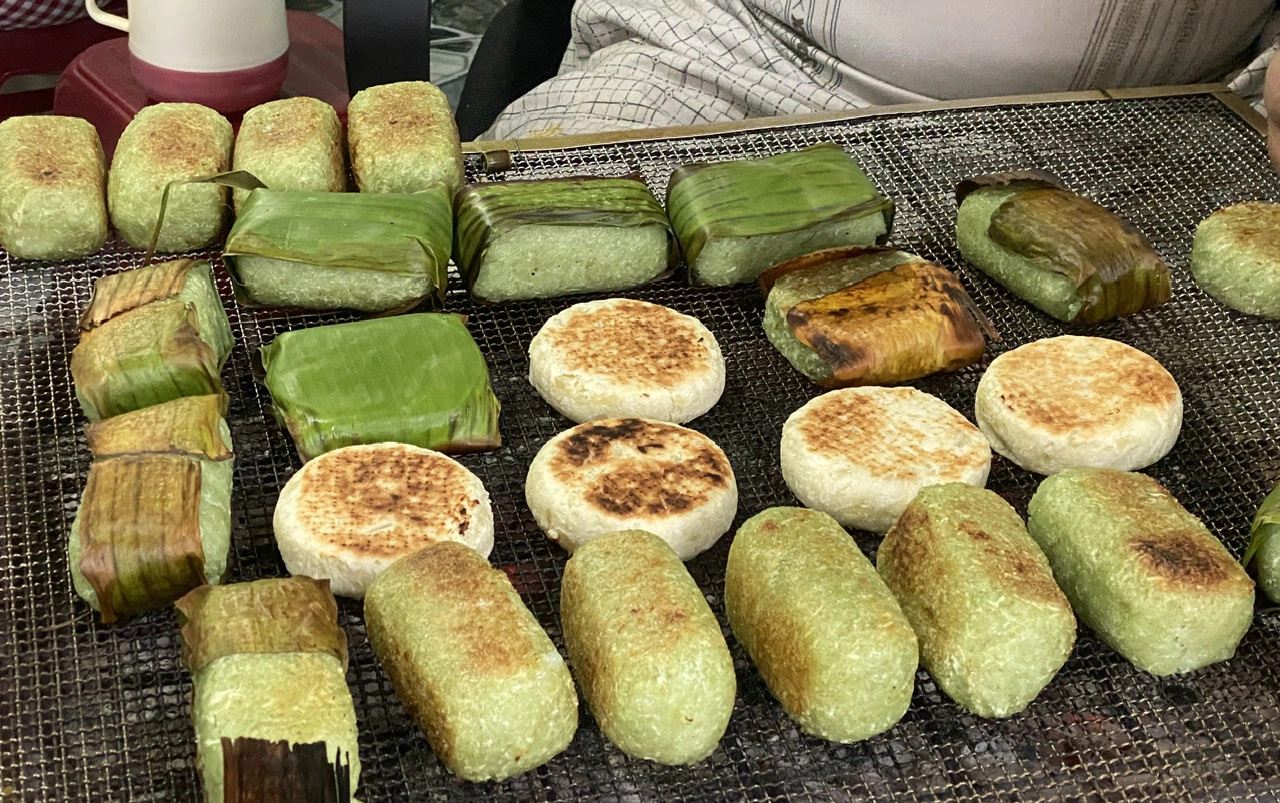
{"x": 268, "y": 662}
{"x": 870, "y": 316}
{"x": 554, "y": 237}
{"x": 1263, "y": 554}
{"x": 341, "y": 250}
{"x": 417, "y": 379}
{"x": 1068, "y": 256}
{"x": 150, "y": 335}
{"x": 52, "y": 187}
{"x": 737, "y": 219}
{"x": 155, "y": 518}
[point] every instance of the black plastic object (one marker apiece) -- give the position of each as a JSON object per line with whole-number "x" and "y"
{"x": 522, "y": 47}
{"x": 386, "y": 41}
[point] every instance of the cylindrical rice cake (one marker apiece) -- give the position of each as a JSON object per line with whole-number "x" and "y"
{"x": 862, "y": 454}
{"x": 622, "y": 358}
{"x": 632, "y": 474}
{"x": 349, "y": 514}
{"x": 646, "y": 649}
{"x": 1073, "y": 401}
{"x": 1236, "y": 257}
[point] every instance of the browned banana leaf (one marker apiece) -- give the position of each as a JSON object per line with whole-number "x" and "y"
{"x": 277, "y": 615}
{"x": 1071, "y": 257}
{"x": 140, "y": 544}
{"x": 871, "y": 316}
{"x": 191, "y": 426}
{"x": 262, "y": 771}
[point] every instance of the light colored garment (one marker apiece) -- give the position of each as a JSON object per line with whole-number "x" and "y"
{"x": 642, "y": 63}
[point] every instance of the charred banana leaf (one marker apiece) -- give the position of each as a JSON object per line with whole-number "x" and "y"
{"x": 341, "y": 250}
{"x": 556, "y": 237}
{"x": 416, "y": 379}
{"x": 1065, "y": 254}
{"x": 191, "y": 426}
{"x": 735, "y": 220}
{"x": 870, "y": 316}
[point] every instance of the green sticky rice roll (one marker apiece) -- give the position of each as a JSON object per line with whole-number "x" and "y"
{"x": 994, "y": 627}
{"x": 416, "y": 379}
{"x": 1141, "y": 571}
{"x": 792, "y": 288}
{"x": 1263, "y": 554}
{"x": 470, "y": 663}
{"x": 185, "y": 280}
{"x": 341, "y": 250}
{"x": 268, "y": 661}
{"x": 1066, "y": 255}
{"x": 161, "y": 526}
{"x": 1235, "y": 257}
{"x": 52, "y": 188}
{"x": 737, "y": 219}
{"x": 402, "y": 138}
{"x": 164, "y": 143}
{"x": 646, "y": 648}
{"x": 291, "y": 144}
{"x": 819, "y": 624}
{"x": 554, "y": 237}
{"x": 148, "y": 355}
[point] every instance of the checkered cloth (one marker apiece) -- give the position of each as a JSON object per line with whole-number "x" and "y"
{"x": 641, "y": 63}
{"x": 20, "y": 14}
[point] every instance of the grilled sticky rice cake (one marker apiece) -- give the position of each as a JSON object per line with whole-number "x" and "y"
{"x": 1075, "y": 401}
{"x": 52, "y": 187}
{"x": 164, "y": 143}
{"x": 349, "y": 514}
{"x": 402, "y": 138}
{"x": 1236, "y": 257}
{"x": 632, "y": 474}
{"x": 862, "y": 454}
{"x": 623, "y": 358}
{"x": 291, "y": 144}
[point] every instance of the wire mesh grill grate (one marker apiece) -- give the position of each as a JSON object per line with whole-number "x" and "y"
{"x": 98, "y": 713}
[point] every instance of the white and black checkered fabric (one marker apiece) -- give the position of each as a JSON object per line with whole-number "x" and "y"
{"x": 22, "y": 14}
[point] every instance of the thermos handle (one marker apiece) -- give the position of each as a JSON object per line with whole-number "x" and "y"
{"x": 110, "y": 20}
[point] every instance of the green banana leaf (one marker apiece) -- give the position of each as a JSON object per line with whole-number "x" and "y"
{"x": 139, "y": 531}
{"x": 318, "y": 239}
{"x": 277, "y": 615}
{"x": 417, "y": 379}
{"x": 151, "y": 354}
{"x": 191, "y": 426}
{"x": 485, "y": 212}
{"x": 788, "y": 192}
{"x": 1112, "y": 265}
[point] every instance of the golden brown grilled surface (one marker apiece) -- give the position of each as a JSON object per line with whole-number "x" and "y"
{"x": 285, "y": 123}
{"x": 1177, "y": 550}
{"x": 632, "y": 342}
{"x": 177, "y": 140}
{"x": 384, "y": 501}
{"x": 1253, "y": 227}
{"x": 890, "y": 434}
{"x": 1075, "y": 384}
{"x": 636, "y": 467}
{"x": 46, "y": 149}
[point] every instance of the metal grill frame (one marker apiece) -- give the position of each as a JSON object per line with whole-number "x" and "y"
{"x": 101, "y": 713}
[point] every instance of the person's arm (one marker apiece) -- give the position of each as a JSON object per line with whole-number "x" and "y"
{"x": 1271, "y": 98}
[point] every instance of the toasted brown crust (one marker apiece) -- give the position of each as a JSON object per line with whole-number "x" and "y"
{"x": 1253, "y": 227}
{"x": 633, "y": 466}
{"x": 454, "y": 571}
{"x": 286, "y": 122}
{"x": 1069, "y": 383}
{"x": 384, "y": 501}
{"x": 884, "y": 429}
{"x": 50, "y": 151}
{"x": 176, "y": 138}
{"x": 632, "y": 342}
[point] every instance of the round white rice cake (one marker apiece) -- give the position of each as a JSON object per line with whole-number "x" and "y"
{"x": 632, "y": 474}
{"x": 620, "y": 358}
{"x": 862, "y": 454}
{"x": 1072, "y": 402}
{"x": 350, "y": 513}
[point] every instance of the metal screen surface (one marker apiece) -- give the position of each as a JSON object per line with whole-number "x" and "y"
{"x": 102, "y": 713}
